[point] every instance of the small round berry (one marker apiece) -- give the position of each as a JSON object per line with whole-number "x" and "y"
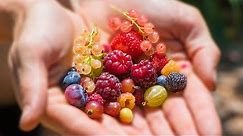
{"x": 112, "y": 108}
{"x": 176, "y": 82}
{"x": 126, "y": 26}
{"x": 84, "y": 68}
{"x": 94, "y": 109}
{"x": 95, "y": 63}
{"x": 153, "y": 37}
{"x": 89, "y": 86}
{"x": 126, "y": 115}
{"x": 127, "y": 85}
{"x": 80, "y": 49}
{"x": 161, "y": 80}
{"x": 170, "y": 67}
{"x": 114, "y": 23}
{"x": 145, "y": 45}
{"x": 72, "y": 77}
{"x": 155, "y": 96}
{"x": 96, "y": 97}
{"x": 161, "y": 48}
{"x": 133, "y": 13}
{"x": 126, "y": 100}
{"x": 84, "y": 80}
{"x": 80, "y": 41}
{"x": 97, "y": 50}
{"x": 142, "y": 20}
{"x": 78, "y": 58}
{"x": 149, "y": 28}
{"x": 150, "y": 52}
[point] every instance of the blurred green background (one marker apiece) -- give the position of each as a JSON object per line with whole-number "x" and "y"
{"x": 225, "y": 20}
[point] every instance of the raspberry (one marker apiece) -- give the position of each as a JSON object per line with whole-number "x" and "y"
{"x": 128, "y": 42}
{"x": 118, "y": 63}
{"x": 171, "y": 66}
{"x": 144, "y": 74}
{"x": 176, "y": 82}
{"x": 126, "y": 100}
{"x": 108, "y": 86}
{"x": 96, "y": 97}
{"x": 138, "y": 94}
{"x": 159, "y": 61}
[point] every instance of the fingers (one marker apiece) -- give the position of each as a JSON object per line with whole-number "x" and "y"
{"x": 202, "y": 108}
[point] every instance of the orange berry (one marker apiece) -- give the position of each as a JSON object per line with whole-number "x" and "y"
{"x": 126, "y": 100}
{"x": 171, "y": 66}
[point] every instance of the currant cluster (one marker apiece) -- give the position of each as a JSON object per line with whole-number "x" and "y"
{"x": 133, "y": 71}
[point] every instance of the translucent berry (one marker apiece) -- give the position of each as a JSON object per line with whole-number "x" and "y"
{"x": 161, "y": 48}
{"x": 97, "y": 50}
{"x": 114, "y": 23}
{"x": 126, "y": 115}
{"x": 126, "y": 26}
{"x": 89, "y": 86}
{"x": 142, "y": 20}
{"x": 95, "y": 63}
{"x": 78, "y": 58}
{"x": 127, "y": 85}
{"x": 94, "y": 109}
{"x": 153, "y": 37}
{"x": 80, "y": 49}
{"x": 126, "y": 100}
{"x": 155, "y": 96}
{"x": 171, "y": 66}
{"x": 112, "y": 108}
{"x": 96, "y": 97}
{"x": 80, "y": 41}
{"x": 84, "y": 80}
{"x": 145, "y": 46}
{"x": 148, "y": 28}
{"x": 133, "y": 13}
{"x": 84, "y": 69}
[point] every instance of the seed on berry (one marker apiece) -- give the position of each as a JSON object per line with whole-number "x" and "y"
{"x": 161, "y": 48}
{"x": 127, "y": 85}
{"x": 94, "y": 109}
{"x": 112, "y": 108}
{"x": 89, "y": 86}
{"x": 171, "y": 66}
{"x": 153, "y": 37}
{"x": 126, "y": 26}
{"x": 145, "y": 45}
{"x": 114, "y": 23}
{"x": 72, "y": 77}
{"x": 126, "y": 115}
{"x": 95, "y": 63}
{"x": 84, "y": 68}
{"x": 142, "y": 20}
{"x": 133, "y": 13}
{"x": 126, "y": 100}
{"x": 148, "y": 28}
{"x": 155, "y": 96}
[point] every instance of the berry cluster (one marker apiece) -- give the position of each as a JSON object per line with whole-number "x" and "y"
{"x": 115, "y": 81}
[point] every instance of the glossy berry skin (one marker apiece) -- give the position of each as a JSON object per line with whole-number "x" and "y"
{"x": 138, "y": 94}
{"x": 128, "y": 42}
{"x": 76, "y": 95}
{"x": 144, "y": 74}
{"x": 112, "y": 108}
{"x": 155, "y": 96}
{"x": 126, "y": 100}
{"x": 108, "y": 86}
{"x": 126, "y": 115}
{"x": 170, "y": 67}
{"x": 127, "y": 85}
{"x": 94, "y": 109}
{"x": 161, "y": 80}
{"x": 117, "y": 63}
{"x": 96, "y": 97}
{"x": 176, "y": 82}
{"x": 158, "y": 61}
{"x": 72, "y": 77}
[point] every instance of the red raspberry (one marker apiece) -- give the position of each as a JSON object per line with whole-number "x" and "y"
{"x": 96, "y": 97}
{"x": 128, "y": 42}
{"x": 144, "y": 74}
{"x": 159, "y": 61}
{"x": 108, "y": 86}
{"x": 138, "y": 94}
{"x": 118, "y": 63}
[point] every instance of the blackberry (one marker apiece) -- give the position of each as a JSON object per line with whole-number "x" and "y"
{"x": 176, "y": 82}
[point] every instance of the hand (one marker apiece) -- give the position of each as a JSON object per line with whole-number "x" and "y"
{"x": 40, "y": 54}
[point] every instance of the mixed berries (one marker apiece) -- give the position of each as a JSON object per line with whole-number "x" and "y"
{"x": 131, "y": 70}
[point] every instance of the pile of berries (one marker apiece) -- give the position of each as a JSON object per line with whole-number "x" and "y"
{"x": 132, "y": 69}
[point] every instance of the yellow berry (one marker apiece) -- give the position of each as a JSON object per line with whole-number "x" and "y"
{"x": 126, "y": 115}
{"x": 171, "y": 66}
{"x": 126, "y": 100}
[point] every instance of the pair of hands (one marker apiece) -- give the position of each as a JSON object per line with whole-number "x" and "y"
{"x": 41, "y": 52}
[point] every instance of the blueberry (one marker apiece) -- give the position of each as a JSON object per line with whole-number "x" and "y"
{"x": 76, "y": 95}
{"x": 161, "y": 80}
{"x": 72, "y": 77}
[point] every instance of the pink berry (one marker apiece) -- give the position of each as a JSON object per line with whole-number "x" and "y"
{"x": 142, "y": 20}
{"x": 148, "y": 28}
{"x": 127, "y": 85}
{"x": 107, "y": 48}
{"x": 112, "y": 108}
{"x": 126, "y": 26}
{"x": 133, "y": 13}
{"x": 153, "y": 37}
{"x": 94, "y": 109}
{"x": 161, "y": 48}
{"x": 114, "y": 23}
{"x": 145, "y": 45}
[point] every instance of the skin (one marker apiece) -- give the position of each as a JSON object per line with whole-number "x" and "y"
{"x": 183, "y": 28}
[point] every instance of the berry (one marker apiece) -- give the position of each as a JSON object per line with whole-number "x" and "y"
{"x": 108, "y": 86}
{"x": 171, "y": 66}
{"x": 89, "y": 86}
{"x": 144, "y": 74}
{"x": 76, "y": 95}
{"x": 126, "y": 26}
{"x": 176, "y": 82}
{"x": 72, "y": 77}
{"x": 126, "y": 115}
{"x": 133, "y": 13}
{"x": 118, "y": 63}
{"x": 153, "y": 37}
{"x": 128, "y": 43}
{"x": 112, "y": 108}
{"x": 142, "y": 20}
{"x": 96, "y": 97}
{"x": 84, "y": 68}
{"x": 155, "y": 96}
{"x": 161, "y": 48}
{"x": 114, "y": 23}
{"x": 148, "y": 28}
{"x": 145, "y": 45}
{"x": 138, "y": 94}
{"x": 127, "y": 85}
{"x": 95, "y": 64}
{"x": 72, "y": 69}
{"x": 97, "y": 50}
{"x": 94, "y": 109}
{"x": 161, "y": 80}
{"x": 126, "y": 100}
{"x": 158, "y": 61}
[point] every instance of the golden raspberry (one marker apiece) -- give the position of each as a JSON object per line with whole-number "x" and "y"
{"x": 171, "y": 66}
{"x": 126, "y": 100}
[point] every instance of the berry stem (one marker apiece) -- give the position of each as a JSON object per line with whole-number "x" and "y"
{"x": 91, "y": 36}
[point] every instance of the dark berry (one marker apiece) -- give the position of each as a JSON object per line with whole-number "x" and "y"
{"x": 161, "y": 80}
{"x": 176, "y": 82}
{"x": 72, "y": 77}
{"x": 138, "y": 94}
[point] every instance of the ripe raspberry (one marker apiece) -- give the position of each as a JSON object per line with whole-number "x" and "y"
{"x": 144, "y": 74}
{"x": 128, "y": 42}
{"x": 138, "y": 94}
{"x": 176, "y": 82}
{"x": 118, "y": 63}
{"x": 126, "y": 100}
{"x": 96, "y": 97}
{"x": 170, "y": 67}
{"x": 159, "y": 61}
{"x": 108, "y": 86}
